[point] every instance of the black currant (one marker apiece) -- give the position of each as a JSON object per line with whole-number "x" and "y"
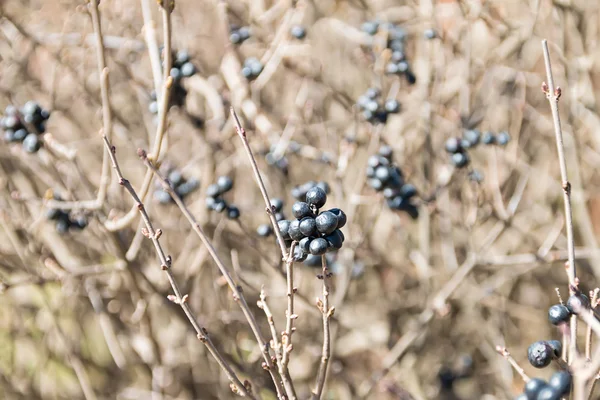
{"x": 341, "y": 217}
{"x": 175, "y": 178}
{"x": 558, "y": 313}
{"x": 533, "y": 387}
{"x": 301, "y": 209}
{"x": 453, "y": 145}
{"x": 326, "y": 222}
{"x": 299, "y": 255}
{"x": 488, "y": 138}
{"x": 318, "y": 246}
{"x": 335, "y": 239}
{"x": 284, "y": 228}
{"x": 316, "y": 197}
{"x": 392, "y": 106}
{"x": 540, "y": 354}
{"x": 304, "y": 244}
{"x": 408, "y": 190}
{"x": 31, "y": 143}
{"x": 294, "y": 230}
{"x": 264, "y": 230}
{"x": 233, "y": 212}
{"x": 298, "y": 32}
{"x": 548, "y": 393}
{"x": 460, "y": 160}
{"x": 556, "y": 346}
{"x": 308, "y": 226}
{"x": 503, "y": 138}
{"x": 429, "y": 34}
{"x": 561, "y": 381}
{"x": 219, "y": 205}
{"x": 162, "y": 196}
{"x": 472, "y": 136}
{"x": 277, "y": 204}
{"x": 225, "y": 184}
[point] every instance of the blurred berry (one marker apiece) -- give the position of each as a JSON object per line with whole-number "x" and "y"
{"x": 188, "y": 69}
{"x": 233, "y": 212}
{"x": 503, "y": 138}
{"x": 264, "y": 230}
{"x": 460, "y": 160}
{"x": 453, "y": 145}
{"x": 277, "y": 204}
{"x": 548, "y": 393}
{"x": 429, "y": 34}
{"x": 31, "y": 143}
{"x": 561, "y": 381}
{"x": 472, "y": 136}
{"x": 392, "y": 106}
{"x": 225, "y": 184}
{"x": 488, "y": 138}
{"x": 370, "y": 27}
{"x": 213, "y": 190}
{"x": 298, "y": 32}
{"x": 577, "y": 303}
{"x": 162, "y": 196}
{"x": 533, "y": 387}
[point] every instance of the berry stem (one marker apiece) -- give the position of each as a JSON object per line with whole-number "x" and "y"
{"x": 327, "y": 312}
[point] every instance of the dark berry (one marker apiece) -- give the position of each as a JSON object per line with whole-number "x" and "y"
{"x": 396, "y": 45}
{"x": 279, "y": 216}
{"x": 327, "y": 222}
{"x": 225, "y": 184}
{"x": 429, "y": 34}
{"x": 284, "y": 228}
{"x": 335, "y": 239}
{"x": 304, "y": 244}
{"x": 465, "y": 144}
{"x": 460, "y": 160}
{"x": 472, "y": 136}
{"x": 341, "y": 217}
{"x": 247, "y": 72}
{"x": 476, "y": 176}
{"x": 561, "y": 381}
{"x": 577, "y": 303}
{"x": 372, "y": 93}
{"x": 397, "y": 32}
{"x": 385, "y": 151}
{"x": 9, "y": 135}
{"x": 556, "y": 346}
{"x": 371, "y": 106}
{"x": 153, "y": 107}
{"x": 210, "y": 203}
{"x": 277, "y": 204}
{"x": 62, "y": 226}
{"x": 370, "y": 27}
{"x": 187, "y": 187}
{"x": 20, "y": 135}
{"x": 503, "y": 138}
{"x": 188, "y": 69}
{"x": 540, "y": 354}
{"x": 533, "y": 387}
{"x": 213, "y": 190}
{"x": 398, "y": 55}
{"x": 316, "y": 197}
{"x": 488, "y": 138}
{"x": 31, "y": 143}
{"x": 264, "y": 230}
{"x": 522, "y": 396}
{"x": 244, "y": 32}
{"x": 390, "y": 192}
{"x": 376, "y": 184}
{"x": 219, "y": 205}
{"x": 182, "y": 57}
{"x": 79, "y": 222}
{"x": 235, "y": 38}
{"x": 301, "y": 209}
{"x": 294, "y": 230}
{"x": 308, "y": 226}
{"x": 162, "y": 196}
{"x": 318, "y": 246}
{"x": 396, "y": 180}
{"x": 298, "y": 32}
{"x": 233, "y": 212}
{"x": 176, "y": 74}
{"x": 11, "y": 122}
{"x": 411, "y": 78}
{"x": 392, "y": 106}
{"x": 558, "y": 313}
{"x": 370, "y": 172}
{"x": 382, "y": 173}
{"x": 548, "y": 393}
{"x": 175, "y": 178}
{"x": 299, "y": 254}
{"x": 453, "y": 145}
{"x": 407, "y": 191}
{"x": 403, "y": 67}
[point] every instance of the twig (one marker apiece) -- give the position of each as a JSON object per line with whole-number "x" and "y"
{"x": 236, "y": 289}
{"x": 165, "y": 264}
{"x": 553, "y": 94}
{"x": 286, "y": 337}
{"x": 503, "y": 351}
{"x": 323, "y": 305}
{"x": 150, "y": 37}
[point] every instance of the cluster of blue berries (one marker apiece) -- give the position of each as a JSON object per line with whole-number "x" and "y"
{"x": 182, "y": 68}
{"x": 180, "y": 185}
{"x": 64, "y": 220}
{"x": 25, "y": 125}
{"x": 316, "y": 232}
{"x": 457, "y": 147}
{"x": 239, "y": 34}
{"x": 252, "y": 68}
{"x": 396, "y": 42}
{"x": 384, "y": 176}
{"x": 376, "y": 112}
{"x": 557, "y": 387}
{"x": 215, "y": 200}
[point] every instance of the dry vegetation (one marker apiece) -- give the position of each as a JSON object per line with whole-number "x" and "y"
{"x": 86, "y": 314}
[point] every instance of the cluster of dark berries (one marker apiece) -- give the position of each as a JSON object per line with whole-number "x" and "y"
{"x": 457, "y": 147}
{"x": 299, "y": 32}
{"x": 376, "y": 112}
{"x": 180, "y": 185}
{"x": 65, "y": 220}
{"x": 384, "y": 176}
{"x": 266, "y": 230}
{"x": 238, "y": 34}
{"x": 252, "y": 68}
{"x": 25, "y": 125}
{"x": 182, "y": 68}
{"x": 557, "y": 387}
{"x": 299, "y": 192}
{"x": 214, "y": 197}
{"x": 316, "y": 232}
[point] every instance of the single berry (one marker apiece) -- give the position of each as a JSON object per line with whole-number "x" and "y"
{"x": 397, "y": 32}
{"x": 279, "y": 216}
{"x": 294, "y": 230}
{"x": 11, "y": 122}
{"x": 548, "y": 393}
{"x": 341, "y": 217}
{"x": 31, "y": 108}
{"x": 396, "y": 180}
{"x": 476, "y": 176}
{"x": 472, "y": 136}
{"x": 392, "y": 106}
{"x": 577, "y": 303}
{"x": 556, "y": 346}
{"x": 182, "y": 57}
{"x": 235, "y": 38}
{"x": 407, "y": 191}
{"x": 382, "y": 173}
{"x": 316, "y": 197}
{"x": 398, "y": 55}
{"x": 244, "y": 32}
{"x": 284, "y": 228}
{"x": 312, "y": 261}
{"x": 188, "y": 69}
{"x": 453, "y": 145}
{"x": 186, "y": 188}
{"x": 390, "y": 192}
{"x": 318, "y": 246}
{"x": 503, "y": 138}
{"x": 522, "y": 396}
{"x": 392, "y": 68}
{"x": 277, "y": 204}
{"x": 308, "y": 226}
{"x": 219, "y": 205}
{"x": 335, "y": 239}
{"x": 210, "y": 203}
{"x": 31, "y": 143}
{"x": 403, "y": 67}
{"x": 326, "y": 222}
{"x": 488, "y": 138}
{"x": 429, "y": 34}
{"x": 370, "y": 172}
{"x": 20, "y": 135}
{"x": 376, "y": 184}
{"x": 299, "y": 254}
{"x": 561, "y": 381}
{"x": 53, "y": 213}
{"x": 301, "y": 209}
{"x": 264, "y": 230}
{"x": 79, "y": 222}
{"x": 371, "y": 106}
{"x": 153, "y": 107}
{"x": 372, "y": 93}
{"x": 558, "y": 313}
{"x": 465, "y": 144}
{"x": 62, "y": 225}
{"x": 175, "y": 178}
{"x": 540, "y": 354}
{"x": 396, "y": 45}
{"x": 213, "y": 190}
{"x": 233, "y": 212}
{"x": 162, "y": 196}
{"x": 298, "y": 32}
{"x": 370, "y": 27}
{"x": 533, "y": 387}
{"x": 411, "y": 78}
{"x": 9, "y": 135}
{"x": 304, "y": 244}
{"x": 225, "y": 184}
{"x": 460, "y": 160}
{"x": 176, "y": 74}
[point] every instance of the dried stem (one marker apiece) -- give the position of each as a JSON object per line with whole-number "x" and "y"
{"x": 166, "y": 263}
{"x": 503, "y": 351}
{"x": 553, "y": 94}
{"x": 150, "y": 37}
{"x": 235, "y": 288}
{"x": 323, "y": 305}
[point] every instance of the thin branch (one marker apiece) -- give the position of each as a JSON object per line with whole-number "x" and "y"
{"x": 503, "y": 351}
{"x": 150, "y": 37}
{"x": 235, "y": 288}
{"x": 166, "y": 264}
{"x": 553, "y": 94}
{"x": 323, "y": 305}
{"x": 286, "y": 337}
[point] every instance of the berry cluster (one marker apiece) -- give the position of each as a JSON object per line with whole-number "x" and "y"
{"x": 182, "y": 68}
{"x": 373, "y": 111}
{"x": 384, "y": 176}
{"x": 316, "y": 232}
{"x": 180, "y": 185}
{"x": 25, "y": 125}
{"x": 238, "y": 35}
{"x": 252, "y": 68}
{"x": 558, "y": 386}
{"x": 214, "y": 197}
{"x": 457, "y": 147}
{"x": 64, "y": 220}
